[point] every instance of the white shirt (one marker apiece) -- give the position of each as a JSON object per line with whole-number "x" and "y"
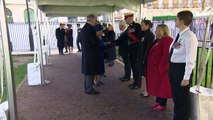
{"x": 122, "y": 31}
{"x": 186, "y": 52}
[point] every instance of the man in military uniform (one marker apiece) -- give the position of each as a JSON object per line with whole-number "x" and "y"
{"x": 133, "y": 37}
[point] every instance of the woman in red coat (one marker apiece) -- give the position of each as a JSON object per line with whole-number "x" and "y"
{"x": 157, "y": 68}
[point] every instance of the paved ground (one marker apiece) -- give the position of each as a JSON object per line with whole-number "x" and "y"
{"x": 64, "y": 98}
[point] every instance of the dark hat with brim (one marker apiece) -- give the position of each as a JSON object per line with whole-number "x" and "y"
{"x": 98, "y": 27}
{"x": 126, "y": 15}
{"x": 69, "y": 25}
{"x": 62, "y": 24}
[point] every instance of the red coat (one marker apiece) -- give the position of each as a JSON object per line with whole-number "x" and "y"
{"x": 157, "y": 75}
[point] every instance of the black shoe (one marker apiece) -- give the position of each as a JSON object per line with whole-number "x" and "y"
{"x": 65, "y": 51}
{"x": 101, "y": 83}
{"x": 121, "y": 78}
{"x": 95, "y": 92}
{"x": 133, "y": 86}
{"x": 106, "y": 61}
{"x": 92, "y": 92}
{"x": 103, "y": 75}
{"x": 125, "y": 79}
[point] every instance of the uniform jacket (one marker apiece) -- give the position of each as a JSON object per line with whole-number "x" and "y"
{"x": 123, "y": 47}
{"x": 135, "y": 30}
{"x": 60, "y": 34}
{"x": 90, "y": 50}
{"x": 157, "y": 68}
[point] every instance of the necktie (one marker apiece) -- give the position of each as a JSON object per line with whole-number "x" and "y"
{"x": 171, "y": 51}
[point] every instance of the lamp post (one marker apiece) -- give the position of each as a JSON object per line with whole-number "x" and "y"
{"x": 30, "y": 29}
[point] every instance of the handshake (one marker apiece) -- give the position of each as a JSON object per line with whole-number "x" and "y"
{"x": 109, "y": 44}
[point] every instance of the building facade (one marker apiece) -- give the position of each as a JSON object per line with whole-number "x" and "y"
{"x": 16, "y": 11}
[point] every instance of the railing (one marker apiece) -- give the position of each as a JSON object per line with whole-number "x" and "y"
{"x": 199, "y": 30}
{"x": 208, "y": 75}
{"x": 19, "y": 33}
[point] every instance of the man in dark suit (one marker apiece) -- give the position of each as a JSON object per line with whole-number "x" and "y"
{"x": 60, "y": 35}
{"x": 79, "y": 42}
{"x": 123, "y": 52}
{"x": 133, "y": 37}
{"x": 90, "y": 55}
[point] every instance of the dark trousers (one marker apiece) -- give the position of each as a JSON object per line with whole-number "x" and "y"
{"x": 180, "y": 94}
{"x": 88, "y": 83}
{"x": 162, "y": 101}
{"x": 78, "y": 42}
{"x": 133, "y": 53}
{"x": 127, "y": 67}
{"x": 60, "y": 50}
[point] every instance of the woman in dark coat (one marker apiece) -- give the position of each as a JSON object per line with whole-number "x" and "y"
{"x": 147, "y": 39}
{"x": 69, "y": 37}
{"x": 157, "y": 70}
{"x": 111, "y": 55}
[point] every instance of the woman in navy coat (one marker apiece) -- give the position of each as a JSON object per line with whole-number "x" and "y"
{"x": 98, "y": 78}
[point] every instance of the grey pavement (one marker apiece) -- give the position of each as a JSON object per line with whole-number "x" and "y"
{"x": 64, "y": 97}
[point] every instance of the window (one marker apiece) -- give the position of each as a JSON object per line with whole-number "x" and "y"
{"x": 9, "y": 15}
{"x": 32, "y": 15}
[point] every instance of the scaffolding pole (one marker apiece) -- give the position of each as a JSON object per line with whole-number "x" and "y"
{"x": 12, "y": 115}
{"x": 40, "y": 53}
